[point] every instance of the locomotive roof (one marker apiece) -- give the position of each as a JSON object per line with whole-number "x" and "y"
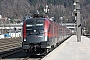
{"x": 36, "y": 18}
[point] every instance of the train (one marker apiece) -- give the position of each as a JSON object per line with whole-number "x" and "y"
{"x": 41, "y": 35}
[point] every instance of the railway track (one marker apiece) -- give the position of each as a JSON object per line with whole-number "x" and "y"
{"x": 15, "y": 55}
{"x": 10, "y": 52}
{"x": 8, "y": 48}
{"x": 33, "y": 58}
{"x": 7, "y": 44}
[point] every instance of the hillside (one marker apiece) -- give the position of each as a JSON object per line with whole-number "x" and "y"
{"x": 17, "y": 9}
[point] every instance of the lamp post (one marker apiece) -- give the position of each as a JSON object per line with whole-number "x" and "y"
{"x": 77, "y": 14}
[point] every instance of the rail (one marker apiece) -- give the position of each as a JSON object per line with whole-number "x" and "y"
{"x": 10, "y": 52}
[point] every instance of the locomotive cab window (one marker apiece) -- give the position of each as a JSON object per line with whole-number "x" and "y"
{"x": 35, "y": 26}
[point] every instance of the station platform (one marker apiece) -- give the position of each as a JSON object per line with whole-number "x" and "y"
{"x": 71, "y": 50}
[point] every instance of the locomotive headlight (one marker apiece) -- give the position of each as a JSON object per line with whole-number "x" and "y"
{"x": 24, "y": 39}
{"x": 45, "y": 38}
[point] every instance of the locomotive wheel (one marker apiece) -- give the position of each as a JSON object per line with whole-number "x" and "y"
{"x": 47, "y": 51}
{"x": 52, "y": 48}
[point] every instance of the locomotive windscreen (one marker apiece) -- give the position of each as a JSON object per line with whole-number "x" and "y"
{"x": 34, "y": 26}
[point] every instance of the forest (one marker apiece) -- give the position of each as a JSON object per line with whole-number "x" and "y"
{"x": 18, "y": 9}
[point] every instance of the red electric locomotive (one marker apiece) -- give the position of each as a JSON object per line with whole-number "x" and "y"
{"x": 41, "y": 35}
